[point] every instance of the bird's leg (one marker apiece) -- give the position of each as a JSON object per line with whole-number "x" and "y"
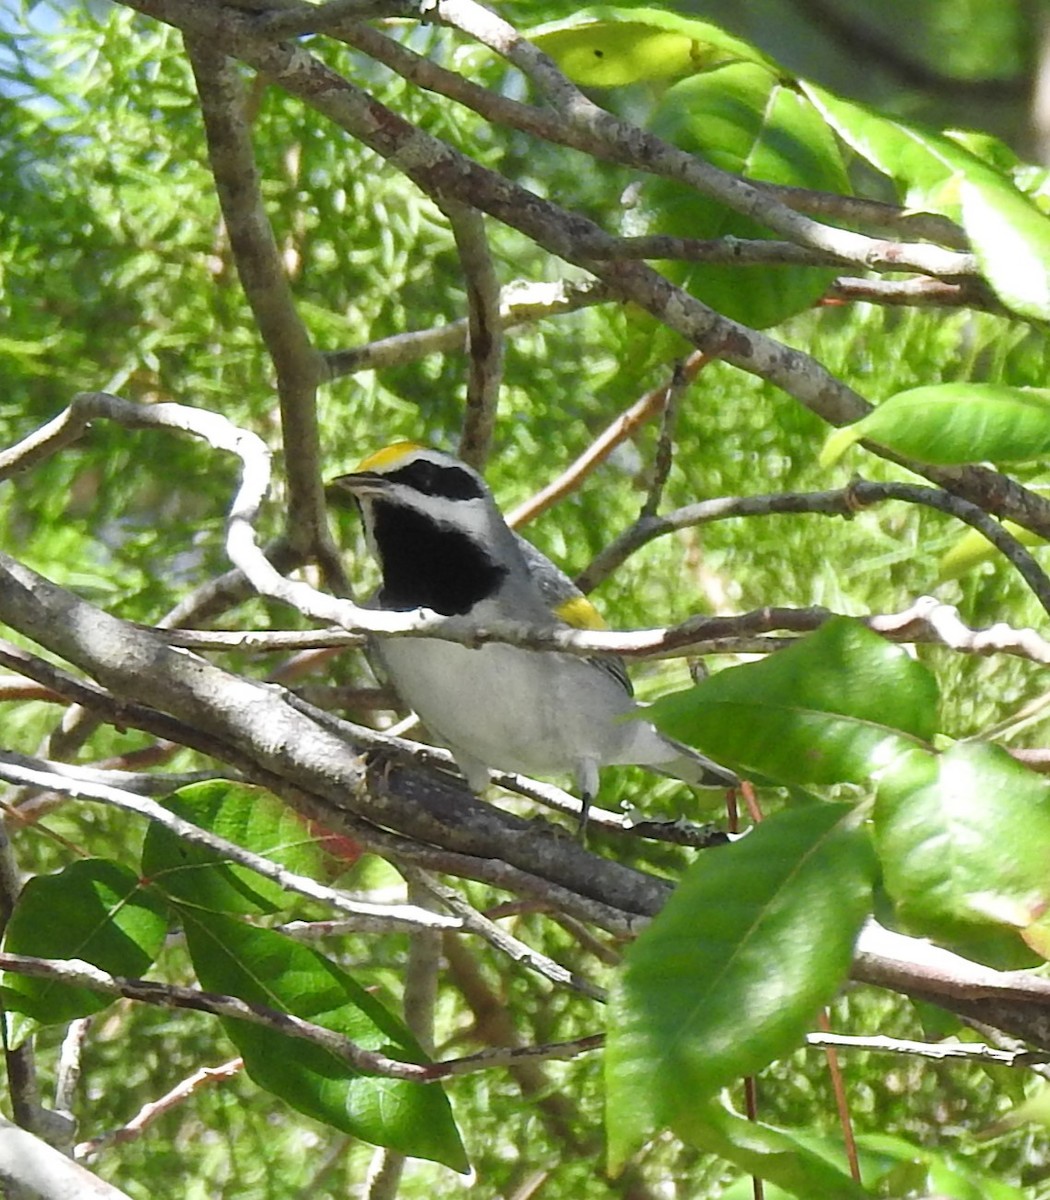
{"x": 587, "y": 782}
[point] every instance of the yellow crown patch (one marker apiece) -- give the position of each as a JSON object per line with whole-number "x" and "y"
{"x": 388, "y": 456}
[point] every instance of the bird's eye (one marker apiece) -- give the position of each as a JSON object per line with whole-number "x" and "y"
{"x": 425, "y": 476}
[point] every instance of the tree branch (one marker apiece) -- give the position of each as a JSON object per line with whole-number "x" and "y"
{"x": 298, "y": 365}
{"x": 637, "y": 148}
{"x": 30, "y": 1165}
{"x": 939, "y": 1051}
{"x": 918, "y": 293}
{"x": 75, "y": 973}
{"x": 520, "y": 303}
{"x": 484, "y": 331}
{"x": 442, "y": 172}
{"x": 184, "y": 1090}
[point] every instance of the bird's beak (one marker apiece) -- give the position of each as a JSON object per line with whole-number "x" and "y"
{"x": 355, "y": 486}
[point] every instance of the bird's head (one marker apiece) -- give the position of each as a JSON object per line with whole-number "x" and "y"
{"x": 432, "y": 523}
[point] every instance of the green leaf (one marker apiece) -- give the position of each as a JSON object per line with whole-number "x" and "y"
{"x": 988, "y": 148}
{"x": 925, "y": 1171}
{"x": 732, "y": 971}
{"x": 268, "y": 968}
{"x": 1033, "y": 182}
{"x": 772, "y": 1154}
{"x": 924, "y": 164}
{"x": 1011, "y": 239}
{"x": 964, "y": 841}
{"x": 247, "y": 816}
{"x": 605, "y": 46}
{"x": 972, "y": 548}
{"x": 838, "y": 706}
{"x": 938, "y": 172}
{"x": 93, "y": 909}
{"x": 742, "y": 118}
{"x": 954, "y": 423}
{"x": 890, "y": 1166}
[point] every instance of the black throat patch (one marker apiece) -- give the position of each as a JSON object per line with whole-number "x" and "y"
{"x": 430, "y": 566}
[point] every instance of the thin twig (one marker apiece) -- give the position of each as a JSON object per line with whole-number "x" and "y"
{"x": 678, "y": 832}
{"x": 75, "y": 973}
{"x": 264, "y": 641}
{"x": 485, "y": 331}
{"x": 506, "y": 943}
{"x": 939, "y": 1051}
{"x": 917, "y": 293}
{"x": 618, "y": 431}
{"x": 521, "y": 303}
{"x": 926, "y": 620}
{"x": 662, "y": 460}
{"x": 408, "y": 917}
{"x": 513, "y": 1056}
{"x": 839, "y": 502}
{"x": 879, "y": 216}
{"x": 865, "y": 492}
{"x": 185, "y": 1090}
{"x": 838, "y": 1086}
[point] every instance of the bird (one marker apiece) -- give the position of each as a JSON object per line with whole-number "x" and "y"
{"x": 441, "y": 543}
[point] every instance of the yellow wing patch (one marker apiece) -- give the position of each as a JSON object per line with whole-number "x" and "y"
{"x": 580, "y": 613}
{"x": 389, "y": 456}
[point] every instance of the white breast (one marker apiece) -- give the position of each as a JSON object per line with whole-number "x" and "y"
{"x": 518, "y": 710}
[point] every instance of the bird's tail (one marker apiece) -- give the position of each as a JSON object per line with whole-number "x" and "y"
{"x": 692, "y": 767}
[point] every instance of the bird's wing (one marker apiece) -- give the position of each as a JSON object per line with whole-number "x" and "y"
{"x": 580, "y": 613}
{"x": 566, "y": 602}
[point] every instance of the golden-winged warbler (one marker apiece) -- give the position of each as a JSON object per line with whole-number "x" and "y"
{"x": 442, "y": 544}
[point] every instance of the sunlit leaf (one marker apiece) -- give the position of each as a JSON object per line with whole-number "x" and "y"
{"x": 605, "y": 46}
{"x": 838, "y": 706}
{"x": 954, "y": 423}
{"x": 1011, "y": 239}
{"x": 963, "y": 839}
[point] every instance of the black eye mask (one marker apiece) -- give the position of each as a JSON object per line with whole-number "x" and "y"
{"x": 432, "y": 479}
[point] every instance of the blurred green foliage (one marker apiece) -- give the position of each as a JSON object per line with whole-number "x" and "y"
{"x": 115, "y": 274}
